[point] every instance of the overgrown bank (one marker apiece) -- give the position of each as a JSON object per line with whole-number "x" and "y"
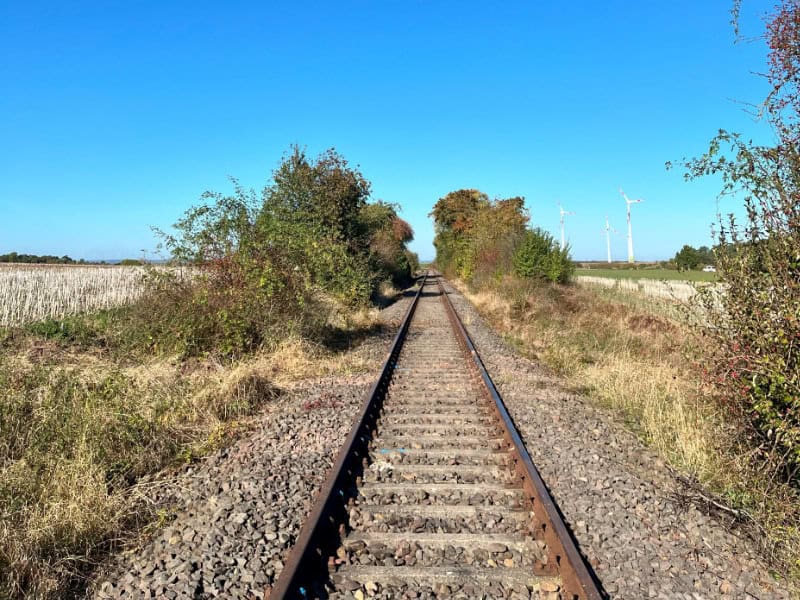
{"x": 648, "y": 368}
{"x": 281, "y": 284}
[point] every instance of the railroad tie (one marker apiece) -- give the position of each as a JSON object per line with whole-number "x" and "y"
{"x": 438, "y": 507}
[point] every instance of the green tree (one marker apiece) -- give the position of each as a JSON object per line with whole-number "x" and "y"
{"x": 538, "y": 256}
{"x": 706, "y": 255}
{"x": 312, "y": 211}
{"x": 263, "y": 261}
{"x": 387, "y": 236}
{"x": 453, "y": 217}
{"x": 687, "y": 258}
{"x": 475, "y": 237}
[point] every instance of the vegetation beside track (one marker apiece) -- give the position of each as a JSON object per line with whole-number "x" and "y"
{"x": 745, "y": 368}
{"x": 481, "y": 240}
{"x": 282, "y": 282}
{"x": 649, "y": 369}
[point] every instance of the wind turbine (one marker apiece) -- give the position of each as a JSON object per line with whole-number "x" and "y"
{"x": 607, "y": 230}
{"x": 563, "y": 214}
{"x": 628, "y": 201}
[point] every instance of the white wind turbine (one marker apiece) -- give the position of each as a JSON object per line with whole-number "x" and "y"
{"x": 607, "y": 230}
{"x": 563, "y": 214}
{"x": 628, "y": 201}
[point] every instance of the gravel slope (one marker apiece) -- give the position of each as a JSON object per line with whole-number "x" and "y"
{"x": 239, "y": 510}
{"x": 620, "y": 500}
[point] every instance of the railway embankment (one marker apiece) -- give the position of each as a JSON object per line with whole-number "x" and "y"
{"x": 231, "y": 520}
{"x": 629, "y": 511}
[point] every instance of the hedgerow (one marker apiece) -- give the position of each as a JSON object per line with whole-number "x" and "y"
{"x": 481, "y": 241}
{"x": 270, "y": 263}
{"x": 753, "y": 322}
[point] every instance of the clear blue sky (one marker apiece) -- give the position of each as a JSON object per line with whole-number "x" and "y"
{"x": 115, "y": 116}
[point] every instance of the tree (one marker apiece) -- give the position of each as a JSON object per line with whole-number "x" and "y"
{"x": 264, "y": 261}
{"x": 687, "y": 258}
{"x": 706, "y": 255}
{"x": 453, "y": 217}
{"x": 475, "y": 237}
{"x": 387, "y": 235}
{"x": 13, "y": 257}
{"x": 456, "y": 211}
{"x": 755, "y": 324}
{"x": 539, "y": 256}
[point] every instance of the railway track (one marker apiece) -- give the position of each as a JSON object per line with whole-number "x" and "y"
{"x": 433, "y": 493}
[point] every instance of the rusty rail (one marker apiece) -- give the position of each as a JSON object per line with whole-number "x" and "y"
{"x": 324, "y": 528}
{"x": 321, "y": 531}
{"x": 566, "y": 560}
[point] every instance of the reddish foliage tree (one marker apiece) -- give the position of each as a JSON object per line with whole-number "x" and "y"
{"x": 754, "y": 322}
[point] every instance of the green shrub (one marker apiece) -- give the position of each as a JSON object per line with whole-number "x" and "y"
{"x": 538, "y": 256}
{"x": 753, "y": 321}
{"x": 264, "y": 265}
{"x": 227, "y": 307}
{"x": 72, "y": 329}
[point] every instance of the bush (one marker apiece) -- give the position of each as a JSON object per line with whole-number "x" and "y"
{"x": 754, "y": 322}
{"x": 228, "y": 307}
{"x": 264, "y": 266}
{"x": 538, "y": 256}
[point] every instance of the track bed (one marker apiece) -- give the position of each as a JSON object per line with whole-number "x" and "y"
{"x": 436, "y": 498}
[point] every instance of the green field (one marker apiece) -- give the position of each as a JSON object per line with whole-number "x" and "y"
{"x": 649, "y": 274}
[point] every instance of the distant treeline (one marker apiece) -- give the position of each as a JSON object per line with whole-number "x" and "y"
{"x": 47, "y": 259}
{"x": 13, "y": 257}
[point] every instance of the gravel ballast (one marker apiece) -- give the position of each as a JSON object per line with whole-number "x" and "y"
{"x": 621, "y": 502}
{"x": 239, "y": 510}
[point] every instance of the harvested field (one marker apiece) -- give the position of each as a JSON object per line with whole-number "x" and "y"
{"x": 647, "y": 273}
{"x": 36, "y": 292}
{"x": 671, "y": 291}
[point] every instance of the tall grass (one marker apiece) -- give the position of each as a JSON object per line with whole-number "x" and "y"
{"x": 32, "y": 293}
{"x": 76, "y": 435}
{"x": 648, "y": 368}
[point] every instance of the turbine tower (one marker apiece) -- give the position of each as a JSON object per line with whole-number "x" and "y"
{"x": 607, "y": 230}
{"x": 563, "y": 214}
{"x": 628, "y": 201}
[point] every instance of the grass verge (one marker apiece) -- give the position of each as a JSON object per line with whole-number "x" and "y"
{"x": 646, "y": 367}
{"x": 81, "y": 425}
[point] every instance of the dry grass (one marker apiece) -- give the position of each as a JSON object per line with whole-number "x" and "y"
{"x": 80, "y": 428}
{"x": 632, "y": 362}
{"x": 648, "y": 368}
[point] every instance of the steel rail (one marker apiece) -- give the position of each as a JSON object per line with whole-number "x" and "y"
{"x": 565, "y": 559}
{"x": 321, "y": 531}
